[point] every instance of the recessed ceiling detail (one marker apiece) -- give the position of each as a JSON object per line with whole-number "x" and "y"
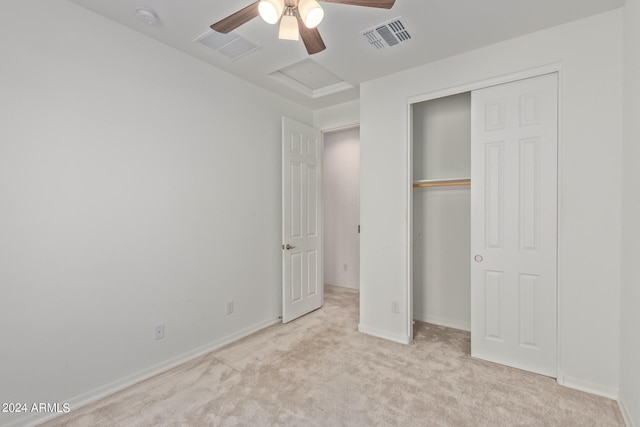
{"x": 230, "y": 45}
{"x": 387, "y": 34}
{"x": 310, "y": 78}
{"x": 456, "y": 26}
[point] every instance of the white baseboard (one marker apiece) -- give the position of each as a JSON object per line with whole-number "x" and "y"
{"x": 626, "y": 416}
{"x": 463, "y": 326}
{"x": 383, "y": 334}
{"x": 589, "y": 387}
{"x": 101, "y": 392}
{"x": 342, "y": 285}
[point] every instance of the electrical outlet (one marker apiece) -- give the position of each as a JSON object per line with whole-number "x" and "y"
{"x": 346, "y": 267}
{"x": 159, "y": 331}
{"x": 230, "y": 307}
{"x": 395, "y": 307}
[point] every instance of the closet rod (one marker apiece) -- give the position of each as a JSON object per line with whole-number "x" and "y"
{"x": 441, "y": 183}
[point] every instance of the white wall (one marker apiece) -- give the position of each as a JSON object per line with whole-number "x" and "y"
{"x": 442, "y": 137}
{"x": 442, "y": 215}
{"x": 590, "y": 53}
{"x": 337, "y": 116}
{"x": 341, "y": 192}
{"x": 630, "y": 287}
{"x": 138, "y": 186}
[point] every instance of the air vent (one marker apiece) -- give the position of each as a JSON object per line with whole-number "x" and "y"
{"x": 230, "y": 45}
{"x": 387, "y": 34}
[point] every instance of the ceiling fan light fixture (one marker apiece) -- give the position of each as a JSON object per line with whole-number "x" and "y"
{"x": 298, "y": 18}
{"x": 289, "y": 27}
{"x": 271, "y": 10}
{"x": 311, "y": 13}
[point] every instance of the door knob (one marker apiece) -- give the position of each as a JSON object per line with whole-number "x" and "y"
{"x": 478, "y": 258}
{"x": 289, "y": 247}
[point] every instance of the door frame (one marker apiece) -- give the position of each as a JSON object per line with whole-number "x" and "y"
{"x": 468, "y": 87}
{"x": 322, "y": 132}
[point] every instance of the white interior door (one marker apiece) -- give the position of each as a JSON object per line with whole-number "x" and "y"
{"x": 514, "y": 223}
{"x": 302, "y": 264}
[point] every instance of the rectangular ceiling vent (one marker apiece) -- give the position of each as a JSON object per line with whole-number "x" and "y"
{"x": 387, "y": 34}
{"x": 230, "y": 45}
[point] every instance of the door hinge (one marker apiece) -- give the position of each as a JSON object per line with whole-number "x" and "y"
{"x": 358, "y": 228}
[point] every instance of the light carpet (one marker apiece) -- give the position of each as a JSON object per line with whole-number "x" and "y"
{"x": 319, "y": 371}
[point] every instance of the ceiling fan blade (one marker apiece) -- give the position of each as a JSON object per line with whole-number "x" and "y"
{"x": 382, "y": 4}
{"x": 233, "y": 21}
{"x": 310, "y": 37}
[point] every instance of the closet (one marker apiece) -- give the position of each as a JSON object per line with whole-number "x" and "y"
{"x": 441, "y": 133}
{"x": 484, "y": 222}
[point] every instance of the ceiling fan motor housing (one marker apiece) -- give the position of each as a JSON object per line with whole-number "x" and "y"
{"x": 289, "y": 13}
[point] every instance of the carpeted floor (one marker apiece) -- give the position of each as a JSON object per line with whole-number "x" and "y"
{"x": 319, "y": 371}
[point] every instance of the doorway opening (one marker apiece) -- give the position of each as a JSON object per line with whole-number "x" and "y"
{"x": 442, "y": 211}
{"x": 341, "y": 201}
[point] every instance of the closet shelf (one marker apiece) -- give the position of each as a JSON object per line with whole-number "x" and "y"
{"x": 449, "y": 182}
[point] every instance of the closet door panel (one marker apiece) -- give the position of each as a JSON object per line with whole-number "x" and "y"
{"x": 494, "y": 195}
{"x": 528, "y": 289}
{"x": 514, "y": 224}
{"x": 530, "y": 186}
{"x": 492, "y": 301}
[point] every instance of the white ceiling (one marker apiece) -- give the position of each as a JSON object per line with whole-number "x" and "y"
{"x": 439, "y": 29}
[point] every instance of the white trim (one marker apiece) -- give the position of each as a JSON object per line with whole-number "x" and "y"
{"x": 331, "y": 89}
{"x": 409, "y": 187}
{"x": 626, "y": 416}
{"x": 379, "y": 333}
{"x": 341, "y": 128}
{"x": 342, "y": 285}
{"x": 588, "y": 387}
{"x": 101, "y": 392}
{"x": 559, "y": 324}
{"x": 469, "y": 87}
{"x": 320, "y": 164}
{"x": 305, "y": 90}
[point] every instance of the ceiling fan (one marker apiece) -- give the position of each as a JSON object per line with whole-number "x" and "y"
{"x": 298, "y": 18}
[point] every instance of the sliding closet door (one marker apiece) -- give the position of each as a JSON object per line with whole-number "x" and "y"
{"x": 514, "y": 224}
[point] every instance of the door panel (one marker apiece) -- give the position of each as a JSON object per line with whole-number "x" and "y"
{"x": 302, "y": 289}
{"x": 514, "y": 224}
{"x": 494, "y": 193}
{"x": 492, "y": 304}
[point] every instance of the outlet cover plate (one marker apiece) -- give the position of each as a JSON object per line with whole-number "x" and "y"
{"x": 159, "y": 331}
